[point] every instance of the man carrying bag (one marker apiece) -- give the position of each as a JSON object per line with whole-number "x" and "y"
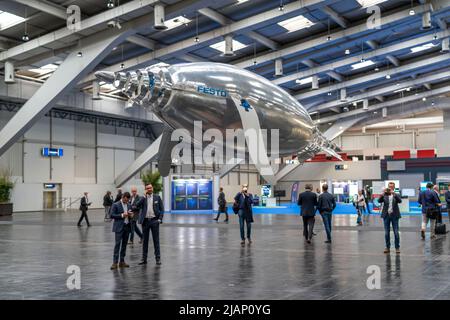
{"x": 429, "y": 201}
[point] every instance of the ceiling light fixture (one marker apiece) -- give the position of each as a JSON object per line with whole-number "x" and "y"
{"x": 281, "y": 7}
{"x": 369, "y": 3}
{"x": 347, "y": 51}
{"x": 363, "y": 64}
{"x": 423, "y": 47}
{"x": 220, "y": 46}
{"x": 388, "y": 76}
{"x": 80, "y": 54}
{"x": 176, "y": 22}
{"x": 296, "y": 23}
{"x": 110, "y": 4}
{"x": 25, "y": 37}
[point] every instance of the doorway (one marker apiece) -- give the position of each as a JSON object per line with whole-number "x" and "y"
{"x": 49, "y": 200}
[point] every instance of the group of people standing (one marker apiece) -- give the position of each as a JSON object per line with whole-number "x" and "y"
{"x": 128, "y": 210}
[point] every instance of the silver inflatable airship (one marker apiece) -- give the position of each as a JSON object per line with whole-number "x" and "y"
{"x": 222, "y": 97}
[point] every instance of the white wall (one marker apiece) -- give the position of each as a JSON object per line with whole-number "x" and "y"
{"x": 315, "y": 171}
{"x": 79, "y": 170}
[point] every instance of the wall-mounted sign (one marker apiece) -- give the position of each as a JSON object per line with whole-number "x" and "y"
{"x": 52, "y": 152}
{"x": 341, "y": 167}
{"x": 49, "y": 186}
{"x": 396, "y": 166}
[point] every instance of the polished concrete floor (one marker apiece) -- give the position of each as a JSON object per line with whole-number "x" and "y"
{"x": 202, "y": 259}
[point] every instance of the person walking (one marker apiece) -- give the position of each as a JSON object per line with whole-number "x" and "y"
{"x": 429, "y": 201}
{"x": 390, "y": 215}
{"x": 244, "y": 201}
{"x": 84, "y": 204}
{"x": 118, "y": 195}
{"x": 122, "y": 215}
{"x": 360, "y": 206}
{"x": 447, "y": 200}
{"x": 325, "y": 205}
{"x": 307, "y": 201}
{"x": 368, "y": 195}
{"x": 151, "y": 215}
{"x": 222, "y": 205}
{"x": 134, "y": 227}
{"x": 107, "y": 203}
{"x": 438, "y": 205}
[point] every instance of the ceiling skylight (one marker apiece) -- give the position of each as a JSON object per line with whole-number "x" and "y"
{"x": 220, "y": 46}
{"x": 296, "y": 23}
{"x": 369, "y": 3}
{"x": 176, "y": 22}
{"x": 363, "y": 64}
{"x": 8, "y": 20}
{"x": 304, "y": 80}
{"x": 423, "y": 47}
{"x": 45, "y": 69}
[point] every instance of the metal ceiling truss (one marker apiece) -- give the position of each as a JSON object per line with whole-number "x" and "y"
{"x": 142, "y": 130}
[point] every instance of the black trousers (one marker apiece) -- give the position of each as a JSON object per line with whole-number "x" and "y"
{"x": 308, "y": 226}
{"x": 85, "y": 216}
{"x": 222, "y": 211}
{"x": 120, "y": 247}
{"x": 153, "y": 226}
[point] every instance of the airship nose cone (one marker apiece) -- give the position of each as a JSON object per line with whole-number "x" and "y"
{"x": 105, "y": 76}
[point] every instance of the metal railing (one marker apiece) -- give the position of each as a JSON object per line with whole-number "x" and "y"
{"x": 68, "y": 202}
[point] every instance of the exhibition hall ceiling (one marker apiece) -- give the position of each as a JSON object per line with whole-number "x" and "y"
{"x": 357, "y": 54}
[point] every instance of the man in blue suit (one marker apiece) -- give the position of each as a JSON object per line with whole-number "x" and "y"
{"x": 308, "y": 201}
{"x": 122, "y": 214}
{"x": 151, "y": 215}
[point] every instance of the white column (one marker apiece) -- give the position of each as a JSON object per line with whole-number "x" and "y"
{"x": 166, "y": 194}
{"x": 9, "y": 72}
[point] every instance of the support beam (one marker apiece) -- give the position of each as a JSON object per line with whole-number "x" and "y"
{"x": 366, "y": 78}
{"x": 393, "y": 60}
{"x": 427, "y": 86}
{"x": 339, "y": 128}
{"x": 390, "y": 103}
{"x": 335, "y": 16}
{"x": 436, "y": 76}
{"x": 373, "y": 44}
{"x": 59, "y": 35}
{"x": 352, "y": 60}
{"x": 336, "y": 76}
{"x": 60, "y": 83}
{"x": 318, "y": 41}
{"x": 44, "y": 6}
{"x": 241, "y": 26}
{"x": 229, "y": 166}
{"x": 224, "y": 21}
{"x": 380, "y": 98}
{"x": 142, "y": 41}
{"x": 148, "y": 155}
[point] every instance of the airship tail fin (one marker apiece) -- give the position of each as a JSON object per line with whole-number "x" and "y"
{"x": 332, "y": 153}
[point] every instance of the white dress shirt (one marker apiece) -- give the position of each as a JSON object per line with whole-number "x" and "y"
{"x": 125, "y": 210}
{"x": 150, "y": 213}
{"x": 391, "y": 204}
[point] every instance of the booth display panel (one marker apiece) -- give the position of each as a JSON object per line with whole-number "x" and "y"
{"x": 192, "y": 194}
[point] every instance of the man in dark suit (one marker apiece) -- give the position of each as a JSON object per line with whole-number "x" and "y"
{"x": 150, "y": 217}
{"x": 134, "y": 227}
{"x": 390, "y": 214}
{"x": 325, "y": 205}
{"x": 308, "y": 201}
{"x": 222, "y": 205}
{"x": 447, "y": 200}
{"x": 84, "y": 204}
{"x": 122, "y": 215}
